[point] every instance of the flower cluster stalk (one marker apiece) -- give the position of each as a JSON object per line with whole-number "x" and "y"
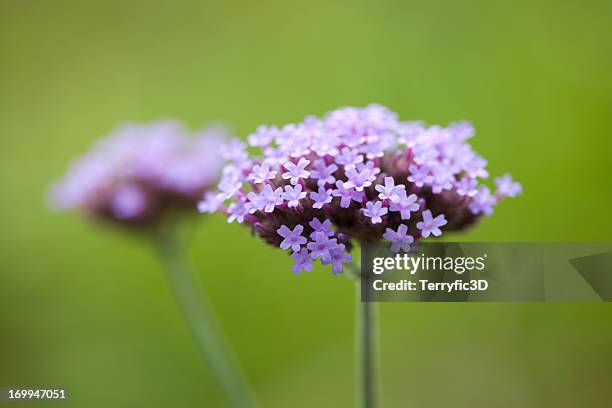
{"x": 199, "y": 315}
{"x": 367, "y": 354}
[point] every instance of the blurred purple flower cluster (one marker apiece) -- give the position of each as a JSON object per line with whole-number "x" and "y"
{"x": 358, "y": 174}
{"x": 140, "y": 170}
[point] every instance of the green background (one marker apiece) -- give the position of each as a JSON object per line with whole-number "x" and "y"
{"x": 87, "y": 308}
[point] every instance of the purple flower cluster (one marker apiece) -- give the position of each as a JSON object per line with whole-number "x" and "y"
{"x": 140, "y": 170}
{"x": 322, "y": 245}
{"x": 356, "y": 175}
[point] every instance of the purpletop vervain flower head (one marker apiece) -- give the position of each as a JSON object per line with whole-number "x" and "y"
{"x": 140, "y": 170}
{"x": 355, "y": 175}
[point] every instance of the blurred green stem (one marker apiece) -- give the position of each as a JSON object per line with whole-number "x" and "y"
{"x": 196, "y": 308}
{"x": 366, "y": 347}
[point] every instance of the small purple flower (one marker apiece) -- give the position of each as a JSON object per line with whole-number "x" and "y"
{"x": 255, "y": 202}
{"x": 318, "y": 226}
{"x": 466, "y": 187}
{"x": 506, "y": 187}
{"x": 390, "y": 191}
{"x": 230, "y": 184}
{"x": 476, "y": 168}
{"x": 235, "y": 150}
{"x": 409, "y": 133}
{"x": 237, "y": 210}
{"x": 405, "y": 205}
{"x": 349, "y": 158}
{"x": 338, "y": 256}
{"x": 400, "y": 240}
{"x": 296, "y": 171}
{"x": 462, "y": 130}
{"x": 210, "y": 203}
{"x": 323, "y": 173}
{"x": 324, "y": 145}
{"x": 420, "y": 175}
{"x": 371, "y": 166}
{"x": 347, "y": 194}
{"x": 362, "y": 176}
{"x": 375, "y": 211}
{"x": 303, "y": 262}
{"x": 374, "y": 147}
{"x": 323, "y": 196}
{"x": 425, "y": 155}
{"x": 321, "y": 246}
{"x": 272, "y": 198}
{"x": 355, "y": 180}
{"x": 483, "y": 202}
{"x": 293, "y": 195}
{"x": 261, "y": 173}
{"x": 431, "y": 226}
{"x": 293, "y": 239}
{"x": 275, "y": 157}
{"x": 263, "y": 136}
{"x": 442, "y": 180}
{"x": 266, "y": 200}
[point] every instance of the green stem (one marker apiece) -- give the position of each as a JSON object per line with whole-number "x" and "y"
{"x": 366, "y": 349}
{"x": 198, "y": 313}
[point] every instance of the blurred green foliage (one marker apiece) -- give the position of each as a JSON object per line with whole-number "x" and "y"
{"x": 86, "y": 307}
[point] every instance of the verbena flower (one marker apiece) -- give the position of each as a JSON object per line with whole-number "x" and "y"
{"x": 321, "y": 197}
{"x": 292, "y": 239}
{"x": 430, "y": 225}
{"x": 293, "y": 195}
{"x": 400, "y": 240}
{"x": 139, "y": 171}
{"x": 355, "y": 175}
{"x": 405, "y": 205}
{"x": 375, "y": 211}
{"x": 318, "y": 226}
